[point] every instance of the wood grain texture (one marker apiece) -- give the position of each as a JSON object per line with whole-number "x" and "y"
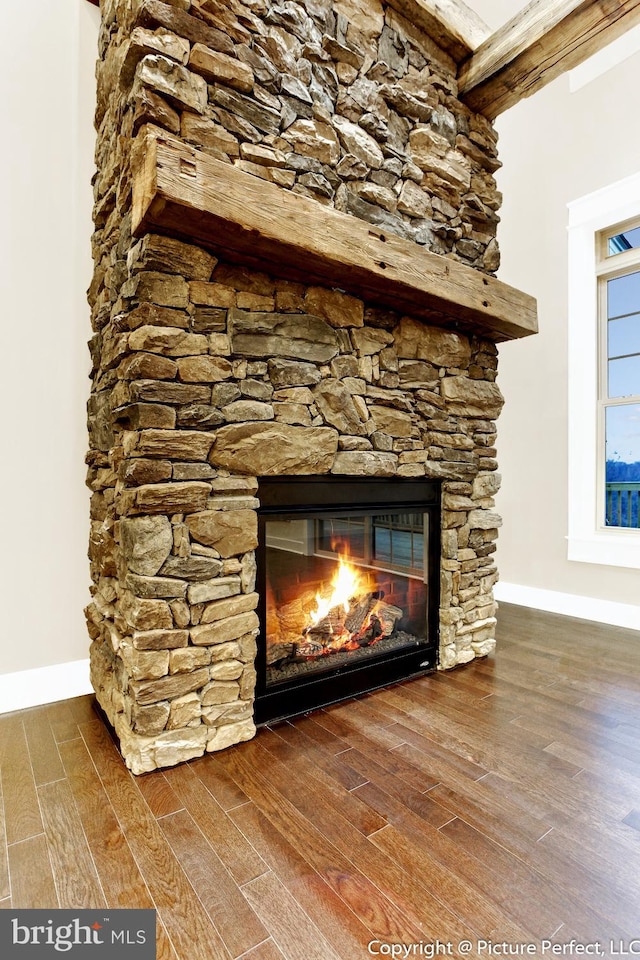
{"x": 22, "y": 811}
{"x": 187, "y": 193}
{"x": 119, "y": 874}
{"x": 451, "y": 24}
{"x": 505, "y": 797}
{"x": 542, "y": 41}
{"x": 236, "y": 922}
{"x": 32, "y": 883}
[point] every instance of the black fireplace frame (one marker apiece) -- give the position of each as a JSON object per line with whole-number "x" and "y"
{"x": 313, "y": 494}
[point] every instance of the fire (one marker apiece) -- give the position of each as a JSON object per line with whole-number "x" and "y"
{"x": 347, "y": 583}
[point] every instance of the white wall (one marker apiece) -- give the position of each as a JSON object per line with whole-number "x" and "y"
{"x": 46, "y": 164}
{"x": 555, "y": 147}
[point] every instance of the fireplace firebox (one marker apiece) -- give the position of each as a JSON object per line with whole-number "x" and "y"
{"x": 348, "y": 585}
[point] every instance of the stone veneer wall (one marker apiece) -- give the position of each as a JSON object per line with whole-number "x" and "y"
{"x": 207, "y": 374}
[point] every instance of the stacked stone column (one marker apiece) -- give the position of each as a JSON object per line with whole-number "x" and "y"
{"x": 208, "y": 374}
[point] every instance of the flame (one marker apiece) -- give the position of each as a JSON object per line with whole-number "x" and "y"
{"x": 347, "y": 583}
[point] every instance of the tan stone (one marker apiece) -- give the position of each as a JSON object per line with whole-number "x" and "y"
{"x": 484, "y": 520}
{"x": 172, "y": 497}
{"x": 175, "y": 444}
{"x": 146, "y": 543}
{"x": 472, "y": 398}
{"x": 221, "y": 609}
{"x": 155, "y": 252}
{"x": 188, "y": 659}
{"x": 230, "y": 532}
{"x": 337, "y": 308}
{"x": 230, "y": 733}
{"x": 366, "y": 15}
{"x": 220, "y": 691}
{"x": 184, "y": 711}
{"x": 369, "y": 340}
{"x": 337, "y": 408}
{"x": 160, "y": 639}
{"x": 219, "y": 68}
{"x": 144, "y": 664}
{"x": 226, "y": 670}
{"x": 168, "y": 341}
{"x": 209, "y": 135}
{"x": 150, "y": 721}
{"x": 365, "y": 463}
{"x": 226, "y": 651}
{"x": 442, "y": 348}
{"x": 204, "y": 369}
{"x": 163, "y": 289}
{"x": 155, "y": 587}
{"x": 212, "y": 294}
{"x": 178, "y": 746}
{"x": 181, "y": 87}
{"x": 271, "y": 449}
{"x": 150, "y": 691}
{"x": 215, "y": 589}
{"x": 394, "y": 422}
{"x": 222, "y": 631}
{"x": 145, "y": 614}
{"x": 314, "y": 138}
{"x": 486, "y": 485}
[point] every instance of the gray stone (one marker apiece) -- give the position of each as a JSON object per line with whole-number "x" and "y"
{"x": 290, "y": 336}
{"x": 192, "y": 568}
{"x": 261, "y": 117}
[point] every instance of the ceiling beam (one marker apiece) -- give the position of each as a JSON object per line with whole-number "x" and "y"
{"x": 451, "y": 24}
{"x": 541, "y": 42}
{"x": 186, "y": 193}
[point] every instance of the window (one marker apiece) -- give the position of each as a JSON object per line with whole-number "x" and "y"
{"x": 604, "y": 376}
{"x": 618, "y": 273}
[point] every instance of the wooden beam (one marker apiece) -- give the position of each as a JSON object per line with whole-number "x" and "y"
{"x": 541, "y": 42}
{"x": 185, "y": 193}
{"x": 451, "y": 24}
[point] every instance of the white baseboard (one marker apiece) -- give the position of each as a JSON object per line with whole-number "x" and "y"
{"x": 570, "y": 604}
{"x": 32, "y": 688}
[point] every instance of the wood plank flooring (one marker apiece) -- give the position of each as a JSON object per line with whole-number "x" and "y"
{"x": 498, "y": 802}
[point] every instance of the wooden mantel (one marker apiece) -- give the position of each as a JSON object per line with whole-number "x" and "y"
{"x": 185, "y": 193}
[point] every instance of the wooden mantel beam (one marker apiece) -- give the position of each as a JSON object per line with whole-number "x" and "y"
{"x": 547, "y": 38}
{"x": 183, "y": 192}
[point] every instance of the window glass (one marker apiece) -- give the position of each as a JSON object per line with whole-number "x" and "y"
{"x": 622, "y": 439}
{"x": 624, "y": 240}
{"x": 623, "y": 295}
{"x": 623, "y": 336}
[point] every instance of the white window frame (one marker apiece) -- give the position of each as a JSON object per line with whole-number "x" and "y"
{"x": 588, "y": 540}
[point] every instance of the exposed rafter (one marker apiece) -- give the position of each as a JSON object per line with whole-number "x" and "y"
{"x": 541, "y": 42}
{"x": 455, "y": 27}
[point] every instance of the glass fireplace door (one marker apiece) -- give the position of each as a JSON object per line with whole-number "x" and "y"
{"x": 346, "y": 587}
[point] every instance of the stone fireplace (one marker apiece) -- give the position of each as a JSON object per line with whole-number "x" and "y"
{"x": 294, "y": 250}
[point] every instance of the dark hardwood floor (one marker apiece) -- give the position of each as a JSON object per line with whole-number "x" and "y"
{"x": 498, "y": 802}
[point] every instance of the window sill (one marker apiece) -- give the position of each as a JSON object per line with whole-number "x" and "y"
{"x": 619, "y": 549}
